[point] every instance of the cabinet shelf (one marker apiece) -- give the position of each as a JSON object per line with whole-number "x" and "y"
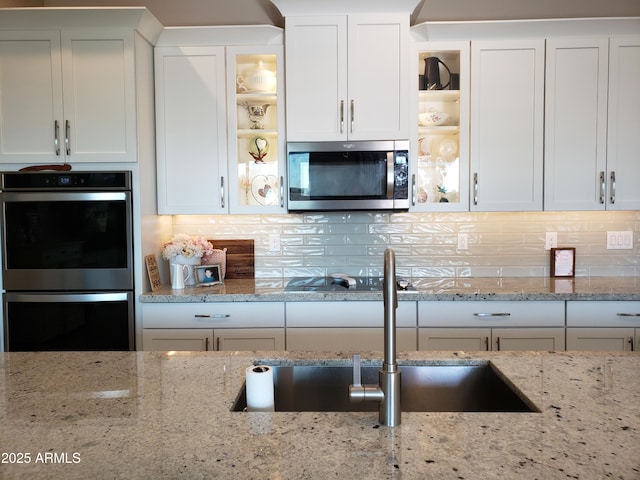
{"x": 247, "y": 132}
{"x": 439, "y": 95}
{"x": 270, "y": 98}
{"x": 439, "y": 130}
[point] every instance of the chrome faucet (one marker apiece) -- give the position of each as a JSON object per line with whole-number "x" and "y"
{"x": 387, "y": 392}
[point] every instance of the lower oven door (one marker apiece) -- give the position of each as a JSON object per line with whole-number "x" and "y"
{"x": 54, "y": 321}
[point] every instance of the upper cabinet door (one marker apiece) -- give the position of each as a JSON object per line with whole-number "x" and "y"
{"x": 507, "y": 101}
{"x": 99, "y": 96}
{"x": 379, "y": 85}
{"x": 30, "y": 97}
{"x": 191, "y": 129}
{"x": 347, "y": 77}
{"x": 316, "y": 75}
{"x": 623, "y": 154}
{"x": 576, "y": 124}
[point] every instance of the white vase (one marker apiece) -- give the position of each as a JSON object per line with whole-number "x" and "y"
{"x": 189, "y": 273}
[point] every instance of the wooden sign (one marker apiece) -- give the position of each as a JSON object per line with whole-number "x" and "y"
{"x": 153, "y": 272}
{"x": 240, "y": 257}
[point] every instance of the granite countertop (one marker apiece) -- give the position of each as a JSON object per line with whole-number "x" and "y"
{"x": 158, "y": 415}
{"x": 427, "y": 289}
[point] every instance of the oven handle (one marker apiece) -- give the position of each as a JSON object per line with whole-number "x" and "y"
{"x": 64, "y": 196}
{"x": 63, "y": 297}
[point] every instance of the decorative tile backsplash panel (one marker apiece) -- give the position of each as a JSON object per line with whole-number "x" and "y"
{"x": 426, "y": 244}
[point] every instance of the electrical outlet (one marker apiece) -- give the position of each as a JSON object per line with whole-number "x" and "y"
{"x": 551, "y": 240}
{"x": 620, "y": 240}
{"x": 274, "y": 242}
{"x": 463, "y": 241}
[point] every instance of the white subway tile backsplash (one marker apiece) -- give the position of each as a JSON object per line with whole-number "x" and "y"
{"x": 500, "y": 244}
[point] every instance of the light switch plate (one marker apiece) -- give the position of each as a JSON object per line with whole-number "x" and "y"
{"x": 620, "y": 240}
{"x": 551, "y": 240}
{"x": 463, "y": 241}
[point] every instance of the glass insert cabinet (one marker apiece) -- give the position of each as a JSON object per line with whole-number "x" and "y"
{"x": 256, "y": 144}
{"x": 440, "y": 180}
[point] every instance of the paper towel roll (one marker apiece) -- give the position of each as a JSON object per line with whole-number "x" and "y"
{"x": 259, "y": 383}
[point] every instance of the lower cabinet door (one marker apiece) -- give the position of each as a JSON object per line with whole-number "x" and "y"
{"x": 170, "y": 339}
{"x": 249, "y": 339}
{"x": 508, "y": 339}
{"x": 448, "y": 339}
{"x": 350, "y": 339}
{"x": 601, "y": 339}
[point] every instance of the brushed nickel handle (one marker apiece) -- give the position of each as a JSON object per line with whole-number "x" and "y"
{"x": 603, "y": 186}
{"x": 221, "y": 192}
{"x": 281, "y": 192}
{"x": 341, "y": 116}
{"x": 475, "y": 189}
{"x": 56, "y": 137}
{"x": 217, "y": 344}
{"x": 206, "y": 344}
{"x": 353, "y": 109}
{"x": 622, "y": 314}
{"x": 486, "y": 343}
{"x": 633, "y": 347}
{"x": 212, "y": 315}
{"x": 67, "y": 137}
{"x": 499, "y": 314}
{"x": 414, "y": 189}
{"x": 498, "y": 344}
{"x": 612, "y": 196}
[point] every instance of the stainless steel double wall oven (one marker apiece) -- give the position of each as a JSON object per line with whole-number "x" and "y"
{"x": 67, "y": 261}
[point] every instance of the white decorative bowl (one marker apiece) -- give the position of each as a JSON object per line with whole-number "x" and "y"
{"x": 432, "y": 119}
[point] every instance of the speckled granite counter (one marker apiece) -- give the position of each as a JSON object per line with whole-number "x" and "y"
{"x": 529, "y": 288}
{"x": 154, "y": 415}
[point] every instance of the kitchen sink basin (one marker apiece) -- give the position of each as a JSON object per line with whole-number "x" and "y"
{"x": 425, "y": 388}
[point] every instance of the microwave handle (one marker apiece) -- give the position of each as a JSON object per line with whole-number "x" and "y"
{"x": 390, "y": 174}
{"x": 413, "y": 190}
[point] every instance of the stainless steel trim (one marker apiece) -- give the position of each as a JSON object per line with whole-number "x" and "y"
{"x": 390, "y": 174}
{"x": 353, "y": 113}
{"x": 414, "y": 190}
{"x": 45, "y": 297}
{"x": 341, "y": 116}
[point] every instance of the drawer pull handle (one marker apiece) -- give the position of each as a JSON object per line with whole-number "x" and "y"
{"x": 214, "y": 315}
{"x": 628, "y": 314}
{"x": 501, "y": 314}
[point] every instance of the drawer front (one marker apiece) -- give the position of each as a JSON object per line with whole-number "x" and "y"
{"x": 347, "y": 314}
{"x": 479, "y": 314}
{"x": 348, "y": 339}
{"x": 213, "y": 315}
{"x": 603, "y": 314}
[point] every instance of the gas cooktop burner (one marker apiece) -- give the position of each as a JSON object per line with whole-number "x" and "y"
{"x": 341, "y": 283}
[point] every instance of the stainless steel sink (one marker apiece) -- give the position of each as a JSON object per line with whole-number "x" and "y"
{"x": 425, "y": 388}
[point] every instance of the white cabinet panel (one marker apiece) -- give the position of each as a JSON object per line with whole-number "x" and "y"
{"x": 495, "y": 339}
{"x": 507, "y": 104}
{"x": 347, "y": 339}
{"x": 448, "y": 339}
{"x": 249, "y": 339}
{"x": 347, "y": 77}
{"x": 347, "y": 314}
{"x": 190, "y": 340}
{"x": 194, "y": 339}
{"x": 191, "y": 129}
{"x": 523, "y": 339}
{"x": 576, "y": 124}
{"x": 601, "y": 339}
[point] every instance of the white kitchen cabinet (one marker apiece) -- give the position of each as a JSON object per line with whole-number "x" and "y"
{"x": 507, "y": 105}
{"x": 491, "y": 325}
{"x": 67, "y": 96}
{"x": 204, "y": 131}
{"x": 603, "y": 325}
{"x": 191, "y": 129}
{"x": 347, "y": 339}
{"x": 356, "y": 325}
{"x": 623, "y": 141}
{"x": 591, "y": 147}
{"x": 441, "y": 166}
{"x": 213, "y": 326}
{"x": 348, "y": 77}
{"x": 219, "y": 339}
{"x": 495, "y": 339}
{"x": 576, "y": 124}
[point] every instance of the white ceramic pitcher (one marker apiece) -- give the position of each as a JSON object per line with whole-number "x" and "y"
{"x": 179, "y": 275}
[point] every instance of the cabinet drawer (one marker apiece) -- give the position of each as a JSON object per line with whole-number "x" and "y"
{"x": 347, "y": 314}
{"x": 603, "y": 314}
{"x": 491, "y": 314}
{"x": 213, "y": 315}
{"x": 348, "y": 339}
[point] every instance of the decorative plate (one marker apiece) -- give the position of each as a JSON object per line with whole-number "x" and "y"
{"x": 264, "y": 189}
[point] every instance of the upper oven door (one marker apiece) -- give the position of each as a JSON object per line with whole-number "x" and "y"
{"x": 67, "y": 241}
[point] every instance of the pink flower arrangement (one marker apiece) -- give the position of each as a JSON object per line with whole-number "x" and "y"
{"x": 187, "y": 246}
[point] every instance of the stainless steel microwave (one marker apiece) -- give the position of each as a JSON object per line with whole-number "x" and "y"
{"x": 371, "y": 175}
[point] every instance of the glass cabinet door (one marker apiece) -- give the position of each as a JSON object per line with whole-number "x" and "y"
{"x": 440, "y": 176}
{"x": 255, "y": 77}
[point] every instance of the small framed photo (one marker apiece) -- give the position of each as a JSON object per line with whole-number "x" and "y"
{"x": 563, "y": 262}
{"x": 207, "y": 275}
